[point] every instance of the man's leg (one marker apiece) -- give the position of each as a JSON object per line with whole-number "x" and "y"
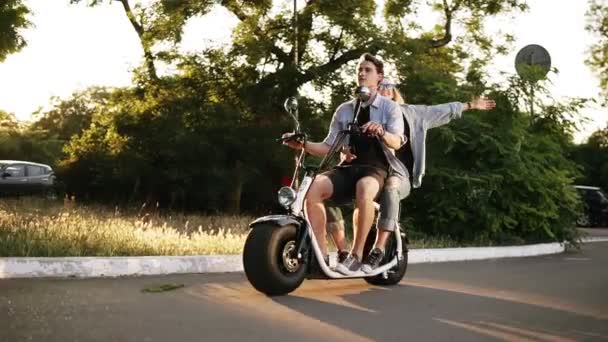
{"x": 320, "y": 190}
{"x": 367, "y": 189}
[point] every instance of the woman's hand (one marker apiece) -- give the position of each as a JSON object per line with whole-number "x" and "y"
{"x": 347, "y": 155}
{"x": 482, "y": 103}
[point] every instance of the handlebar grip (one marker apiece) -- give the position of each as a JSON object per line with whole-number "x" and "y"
{"x": 299, "y": 137}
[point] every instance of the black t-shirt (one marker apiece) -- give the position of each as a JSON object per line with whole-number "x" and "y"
{"x": 405, "y": 153}
{"x": 366, "y": 148}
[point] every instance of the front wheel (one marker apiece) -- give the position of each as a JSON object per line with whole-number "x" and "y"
{"x": 267, "y": 259}
{"x": 395, "y": 274}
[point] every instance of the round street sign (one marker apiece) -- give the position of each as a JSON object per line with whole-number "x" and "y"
{"x": 532, "y": 62}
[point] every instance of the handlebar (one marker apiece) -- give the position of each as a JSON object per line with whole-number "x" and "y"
{"x": 297, "y": 137}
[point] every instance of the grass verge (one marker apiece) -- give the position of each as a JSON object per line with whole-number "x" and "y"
{"x": 32, "y": 227}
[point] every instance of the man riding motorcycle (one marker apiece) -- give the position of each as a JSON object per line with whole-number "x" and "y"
{"x": 379, "y": 120}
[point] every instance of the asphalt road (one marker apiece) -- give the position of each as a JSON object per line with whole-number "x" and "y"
{"x": 551, "y": 298}
{"x": 595, "y": 232}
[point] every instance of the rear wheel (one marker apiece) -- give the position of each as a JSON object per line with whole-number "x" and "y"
{"x": 395, "y": 274}
{"x": 267, "y": 259}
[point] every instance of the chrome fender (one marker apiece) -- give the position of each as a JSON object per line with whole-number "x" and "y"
{"x": 276, "y": 220}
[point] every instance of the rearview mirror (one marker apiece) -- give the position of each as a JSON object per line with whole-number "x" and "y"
{"x": 291, "y": 106}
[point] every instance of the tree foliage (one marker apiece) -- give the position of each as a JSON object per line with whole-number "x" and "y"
{"x": 13, "y": 19}
{"x": 202, "y": 137}
{"x": 502, "y": 175}
{"x": 592, "y": 157}
{"x": 597, "y": 24}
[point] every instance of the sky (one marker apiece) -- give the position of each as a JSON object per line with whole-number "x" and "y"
{"x": 72, "y": 47}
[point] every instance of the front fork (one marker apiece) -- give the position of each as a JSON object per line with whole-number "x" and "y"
{"x": 303, "y": 237}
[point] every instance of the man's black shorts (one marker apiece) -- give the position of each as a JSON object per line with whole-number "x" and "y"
{"x": 345, "y": 178}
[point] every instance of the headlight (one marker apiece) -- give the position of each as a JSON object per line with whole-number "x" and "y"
{"x": 286, "y": 196}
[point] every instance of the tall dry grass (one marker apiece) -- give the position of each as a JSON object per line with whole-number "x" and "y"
{"x": 39, "y": 227}
{"x": 35, "y": 227}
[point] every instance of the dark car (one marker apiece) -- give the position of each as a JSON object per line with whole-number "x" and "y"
{"x": 25, "y": 178}
{"x": 596, "y": 207}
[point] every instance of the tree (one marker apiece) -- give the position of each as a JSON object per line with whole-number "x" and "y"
{"x": 597, "y": 24}
{"x": 69, "y": 117}
{"x": 501, "y": 176}
{"x": 18, "y": 142}
{"x": 8, "y": 121}
{"x": 13, "y": 18}
{"x": 592, "y": 156}
{"x": 227, "y": 102}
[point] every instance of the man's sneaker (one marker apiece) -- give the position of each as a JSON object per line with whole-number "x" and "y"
{"x": 342, "y": 255}
{"x": 373, "y": 260}
{"x": 350, "y": 265}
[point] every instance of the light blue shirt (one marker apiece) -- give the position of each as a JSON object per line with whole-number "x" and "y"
{"x": 383, "y": 111}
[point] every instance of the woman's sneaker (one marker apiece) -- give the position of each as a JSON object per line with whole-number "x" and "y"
{"x": 373, "y": 260}
{"x": 350, "y": 265}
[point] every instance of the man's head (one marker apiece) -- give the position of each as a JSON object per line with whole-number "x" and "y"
{"x": 370, "y": 71}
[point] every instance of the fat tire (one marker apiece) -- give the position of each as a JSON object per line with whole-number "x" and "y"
{"x": 395, "y": 274}
{"x": 262, "y": 260}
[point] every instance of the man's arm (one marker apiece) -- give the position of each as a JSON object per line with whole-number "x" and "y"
{"x": 320, "y": 148}
{"x": 316, "y": 149}
{"x": 393, "y": 136}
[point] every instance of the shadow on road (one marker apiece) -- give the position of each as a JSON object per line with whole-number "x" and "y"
{"x": 417, "y": 308}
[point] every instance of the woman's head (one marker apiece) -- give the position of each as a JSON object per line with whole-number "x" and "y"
{"x": 388, "y": 89}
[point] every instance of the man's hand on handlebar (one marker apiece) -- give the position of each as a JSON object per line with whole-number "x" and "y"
{"x": 373, "y": 128}
{"x": 294, "y": 141}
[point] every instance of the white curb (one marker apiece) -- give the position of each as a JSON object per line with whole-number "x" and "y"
{"x": 595, "y": 239}
{"x": 87, "y": 267}
{"x": 416, "y": 256}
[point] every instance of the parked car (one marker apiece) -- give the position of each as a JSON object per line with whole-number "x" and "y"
{"x": 596, "y": 207}
{"x": 26, "y": 178}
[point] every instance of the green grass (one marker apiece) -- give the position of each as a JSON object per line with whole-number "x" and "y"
{"x": 32, "y": 227}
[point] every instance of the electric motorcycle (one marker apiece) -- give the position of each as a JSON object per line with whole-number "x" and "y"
{"x": 281, "y": 250}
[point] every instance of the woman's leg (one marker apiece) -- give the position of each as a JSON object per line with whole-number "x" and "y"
{"x": 394, "y": 190}
{"x": 335, "y": 226}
